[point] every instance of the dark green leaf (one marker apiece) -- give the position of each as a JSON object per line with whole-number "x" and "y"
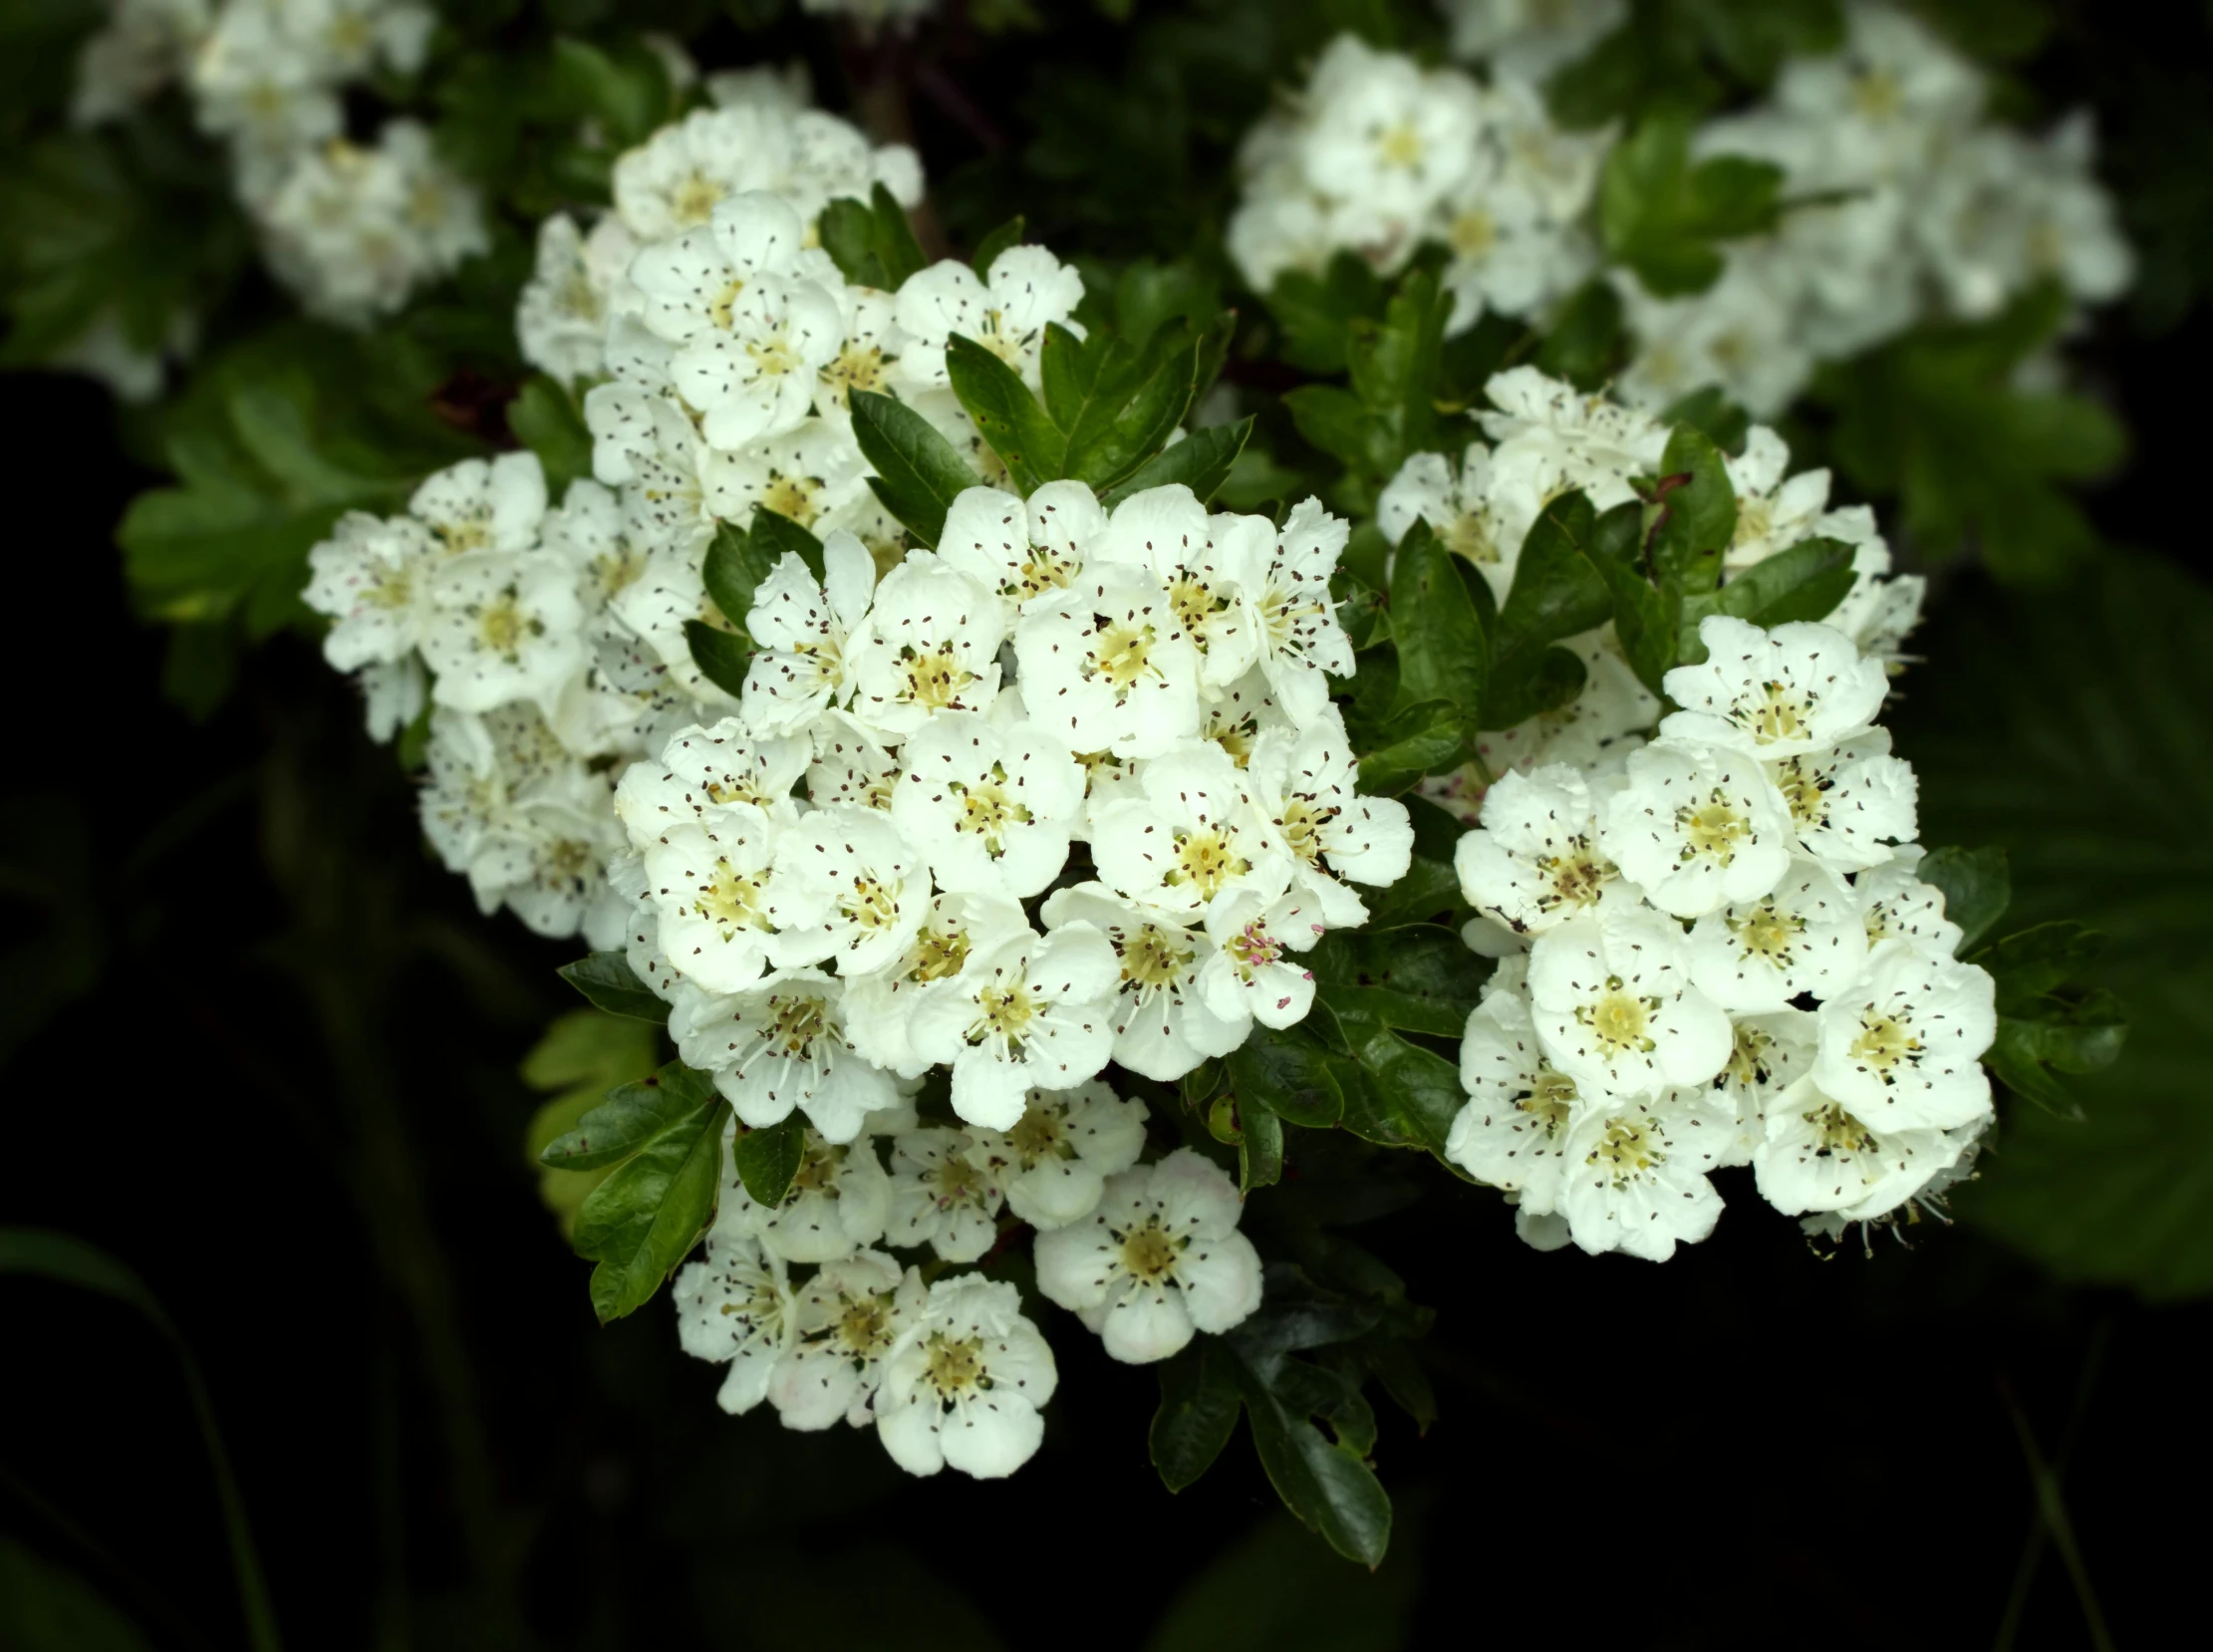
{"x": 1698, "y": 516}
{"x": 774, "y": 535}
{"x": 627, "y": 95}
{"x": 630, "y": 1116}
{"x": 607, "y": 980}
{"x": 1977, "y": 885}
{"x": 1198, "y": 1412}
{"x": 1006, "y": 414}
{"x": 2031, "y": 963}
{"x": 1647, "y": 621}
{"x": 1587, "y": 344}
{"x": 1315, "y": 311}
{"x": 735, "y": 567}
{"x": 721, "y": 656}
{"x": 918, "y": 472}
{"x": 1443, "y": 649}
{"x": 1532, "y": 683}
{"x": 1130, "y": 418}
{"x": 642, "y": 1221}
{"x": 1430, "y": 888}
{"x": 1406, "y": 1096}
{"x": 896, "y": 247}
{"x": 1711, "y": 411}
{"x": 1069, "y": 368}
{"x": 1555, "y": 591}
{"x": 846, "y": 231}
{"x": 1202, "y": 462}
{"x": 767, "y": 1159}
{"x": 1423, "y": 739}
{"x": 1008, "y": 234}
{"x": 1259, "y": 1147}
{"x": 1660, "y": 214}
{"x": 1417, "y": 979}
{"x": 1287, "y": 1073}
{"x": 1342, "y": 426}
{"x": 1323, "y": 1482}
{"x": 1805, "y": 581}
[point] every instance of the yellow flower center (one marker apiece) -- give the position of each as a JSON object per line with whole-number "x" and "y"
{"x": 1713, "y": 830}
{"x": 1148, "y": 1254}
{"x": 1885, "y": 1042}
{"x": 1206, "y": 859}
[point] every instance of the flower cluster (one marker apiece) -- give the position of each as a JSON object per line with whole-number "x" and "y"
{"x": 1547, "y": 439}
{"x": 806, "y": 1306}
{"x": 1711, "y": 947}
{"x": 351, "y": 228}
{"x": 1378, "y": 156}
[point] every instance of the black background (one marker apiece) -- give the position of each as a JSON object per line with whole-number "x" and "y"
{"x": 261, "y": 1048}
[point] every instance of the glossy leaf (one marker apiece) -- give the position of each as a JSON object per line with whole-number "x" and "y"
{"x": 1415, "y": 980}
{"x": 1323, "y": 1482}
{"x": 629, "y": 1118}
{"x": 606, "y": 978}
{"x": 642, "y": 1221}
{"x": 1444, "y": 648}
{"x": 1977, "y": 885}
{"x": 1008, "y": 234}
{"x": 1698, "y": 514}
{"x": 1202, "y": 462}
{"x": 1007, "y": 415}
{"x": 1288, "y": 1073}
{"x": 721, "y": 656}
{"x": 735, "y": 565}
{"x": 768, "y": 1158}
{"x": 918, "y": 472}
{"x": 1198, "y": 1412}
{"x": 775, "y": 535}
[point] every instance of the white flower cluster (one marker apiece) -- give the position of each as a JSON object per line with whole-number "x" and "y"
{"x": 1378, "y": 156}
{"x": 1918, "y": 205}
{"x": 1168, "y": 708}
{"x": 944, "y": 1365}
{"x": 1547, "y": 439}
{"x": 351, "y": 228}
{"x": 1713, "y": 950}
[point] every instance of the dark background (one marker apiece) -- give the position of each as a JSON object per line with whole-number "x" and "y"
{"x": 258, "y": 1045}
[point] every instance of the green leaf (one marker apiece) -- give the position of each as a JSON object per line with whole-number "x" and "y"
{"x": 1710, "y": 410}
{"x": 1316, "y": 311}
{"x": 1805, "y": 581}
{"x": 1338, "y": 422}
{"x": 1394, "y": 367}
{"x": 1322, "y": 1480}
{"x": 1443, "y": 649}
{"x": 1130, "y": 416}
{"x": 1555, "y": 591}
{"x": 767, "y": 1159}
{"x": 1587, "y": 342}
{"x": 918, "y": 472}
{"x": 628, "y": 1119}
{"x": 65, "y": 1259}
{"x": 1660, "y": 215}
{"x": 2031, "y": 1053}
{"x": 735, "y": 565}
{"x": 1198, "y": 1412}
{"x": 628, "y": 96}
{"x": 1429, "y": 888}
{"x": 896, "y": 248}
{"x": 644, "y": 1219}
{"x": 776, "y": 535}
{"x": 1423, "y": 739}
{"x": 1287, "y": 1073}
{"x": 1008, "y": 234}
{"x": 1259, "y": 1147}
{"x": 1007, "y": 415}
{"x": 1934, "y": 419}
{"x": 1202, "y": 462}
{"x": 1531, "y": 683}
{"x": 1417, "y": 979}
{"x": 545, "y": 420}
{"x": 721, "y": 656}
{"x": 1977, "y": 885}
{"x": 584, "y": 1057}
{"x": 1647, "y": 621}
{"x": 606, "y": 978}
{"x": 847, "y": 232}
{"x": 1698, "y": 516}
{"x": 1404, "y": 1096}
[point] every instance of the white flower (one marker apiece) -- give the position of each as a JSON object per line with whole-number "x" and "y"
{"x": 1022, "y": 549}
{"x": 1771, "y": 1053}
{"x": 1696, "y": 827}
{"x": 1549, "y": 438}
{"x": 851, "y": 766}
{"x": 845, "y": 1320}
{"x": 1107, "y": 666}
{"x": 1302, "y": 781}
{"x": 1300, "y": 639}
{"x": 1535, "y": 860}
{"x": 1159, "y": 1259}
{"x": 1775, "y": 693}
{"x": 1026, "y": 290}
{"x": 1852, "y": 802}
{"x": 1386, "y": 133}
{"x": 711, "y": 885}
{"x": 368, "y": 578}
{"x": 778, "y": 1044}
{"x": 869, "y": 348}
{"x": 944, "y": 1194}
{"x": 1457, "y": 503}
{"x": 588, "y": 536}
{"x": 850, "y": 877}
{"x": 1163, "y": 1025}
{"x": 500, "y": 627}
{"x": 1772, "y": 513}
{"x": 1611, "y": 997}
{"x": 1194, "y": 836}
{"x": 484, "y": 504}
{"x": 810, "y": 475}
{"x": 560, "y": 317}
{"x": 1248, "y": 970}
{"x": 990, "y": 810}
{"x": 1815, "y": 1154}
{"x": 1196, "y": 559}
{"x": 1804, "y": 936}
{"x": 956, "y": 932}
{"x": 1530, "y": 37}
{"x": 674, "y": 181}
{"x": 735, "y": 1308}
{"x": 1054, "y": 1161}
{"x": 1634, "y": 1175}
{"x": 964, "y": 1383}
{"x": 1896, "y": 906}
{"x": 1036, "y": 1012}
{"x": 1513, "y": 1130}
{"x": 929, "y": 647}
{"x": 1902, "y": 1048}
{"x": 836, "y": 1204}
